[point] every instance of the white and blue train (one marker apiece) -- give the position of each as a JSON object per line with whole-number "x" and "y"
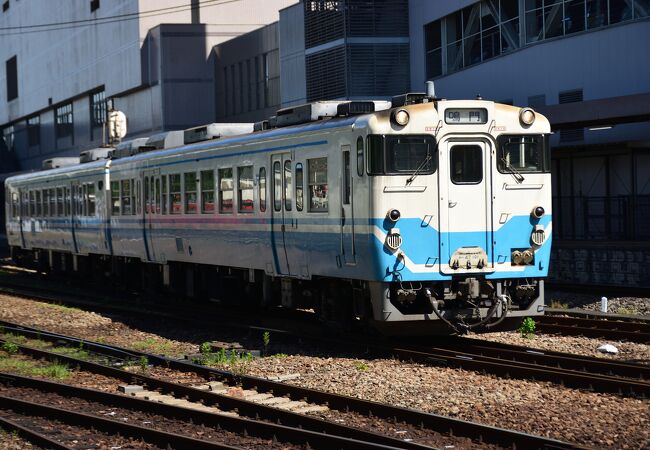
{"x": 408, "y": 214}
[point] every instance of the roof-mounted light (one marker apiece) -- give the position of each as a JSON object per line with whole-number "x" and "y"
{"x": 526, "y": 116}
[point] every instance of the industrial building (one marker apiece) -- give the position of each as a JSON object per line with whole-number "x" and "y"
{"x": 582, "y": 63}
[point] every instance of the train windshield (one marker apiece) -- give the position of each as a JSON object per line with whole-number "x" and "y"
{"x": 523, "y": 153}
{"x": 401, "y": 154}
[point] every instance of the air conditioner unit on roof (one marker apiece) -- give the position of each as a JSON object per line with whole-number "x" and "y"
{"x": 216, "y": 131}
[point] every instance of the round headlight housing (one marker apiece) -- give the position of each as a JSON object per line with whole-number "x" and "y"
{"x": 526, "y": 116}
{"x": 538, "y": 212}
{"x": 394, "y": 215}
{"x": 401, "y": 117}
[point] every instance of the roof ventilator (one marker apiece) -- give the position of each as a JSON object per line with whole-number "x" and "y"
{"x": 312, "y": 112}
{"x": 56, "y": 163}
{"x": 95, "y": 154}
{"x": 216, "y": 131}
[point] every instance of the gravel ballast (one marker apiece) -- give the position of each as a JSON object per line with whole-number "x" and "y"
{"x": 599, "y": 420}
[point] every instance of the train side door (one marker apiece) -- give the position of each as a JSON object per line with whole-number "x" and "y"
{"x": 279, "y": 215}
{"x": 151, "y": 203}
{"x": 75, "y": 220}
{"x": 465, "y": 206}
{"x": 348, "y": 251}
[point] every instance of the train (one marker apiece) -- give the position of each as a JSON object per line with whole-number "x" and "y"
{"x": 414, "y": 215}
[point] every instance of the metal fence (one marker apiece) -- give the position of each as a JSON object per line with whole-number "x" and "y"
{"x": 602, "y": 218}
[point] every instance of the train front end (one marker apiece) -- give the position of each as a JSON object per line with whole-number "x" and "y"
{"x": 461, "y": 200}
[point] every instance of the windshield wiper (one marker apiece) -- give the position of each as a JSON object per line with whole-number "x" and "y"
{"x": 519, "y": 177}
{"x": 417, "y": 171}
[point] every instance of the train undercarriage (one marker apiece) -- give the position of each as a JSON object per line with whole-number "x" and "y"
{"x": 465, "y": 304}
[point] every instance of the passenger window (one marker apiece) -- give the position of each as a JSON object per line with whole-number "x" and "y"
{"x": 39, "y": 207}
{"x": 288, "y": 195}
{"x": 157, "y": 195}
{"x": 126, "y": 197}
{"x": 59, "y": 201}
{"x": 115, "y": 197}
{"x": 466, "y": 164}
{"x": 164, "y": 194}
{"x": 175, "y": 194}
{"x": 360, "y": 156}
{"x": 147, "y": 206}
{"x": 245, "y": 188}
{"x": 207, "y": 191}
{"x": 46, "y": 206}
{"x": 262, "y": 188}
{"x": 347, "y": 182}
{"x": 225, "y": 191}
{"x": 318, "y": 190}
{"x": 299, "y": 187}
{"x": 277, "y": 186}
{"x": 190, "y": 193}
{"x": 52, "y": 202}
{"x": 68, "y": 200}
{"x": 91, "y": 199}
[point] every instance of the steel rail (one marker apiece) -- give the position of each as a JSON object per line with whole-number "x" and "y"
{"x": 591, "y": 314}
{"x": 239, "y": 425}
{"x": 433, "y": 422}
{"x": 31, "y": 436}
{"x": 227, "y": 403}
{"x": 598, "y": 328}
{"x": 509, "y": 352}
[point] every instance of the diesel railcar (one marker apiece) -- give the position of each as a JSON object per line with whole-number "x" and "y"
{"x": 416, "y": 215}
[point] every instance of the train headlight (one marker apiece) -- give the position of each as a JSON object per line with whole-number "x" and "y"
{"x": 526, "y": 116}
{"x": 517, "y": 257}
{"x": 393, "y": 215}
{"x": 538, "y": 236}
{"x": 394, "y": 239}
{"x": 527, "y": 256}
{"x": 401, "y": 117}
{"x": 538, "y": 212}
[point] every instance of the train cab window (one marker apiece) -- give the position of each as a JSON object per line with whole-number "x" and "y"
{"x": 401, "y": 154}
{"x": 225, "y": 191}
{"x": 39, "y": 207}
{"x": 126, "y": 197}
{"x": 288, "y": 195}
{"x": 277, "y": 186}
{"x": 360, "y": 156}
{"x": 91, "y": 199}
{"x": 115, "y": 197}
{"x": 164, "y": 196}
{"x": 207, "y": 191}
{"x": 466, "y": 164}
{"x": 60, "y": 202}
{"x": 190, "y": 192}
{"x": 299, "y": 187}
{"x": 175, "y": 194}
{"x": 523, "y": 153}
{"x": 318, "y": 189}
{"x": 262, "y": 189}
{"x": 245, "y": 189}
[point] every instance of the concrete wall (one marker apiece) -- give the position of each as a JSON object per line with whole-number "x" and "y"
{"x": 292, "y": 56}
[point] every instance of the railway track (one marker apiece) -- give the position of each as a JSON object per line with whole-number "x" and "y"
{"x": 257, "y": 387}
{"x": 604, "y": 327}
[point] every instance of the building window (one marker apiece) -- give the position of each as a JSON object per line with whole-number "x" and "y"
{"x": 8, "y": 136}
{"x": 225, "y": 191}
{"x": 64, "y": 122}
{"x": 94, "y": 5}
{"x": 34, "y": 131}
{"x": 245, "y": 188}
{"x": 433, "y": 46}
{"x": 318, "y": 190}
{"x": 97, "y": 113}
{"x": 5, "y": 6}
{"x": 12, "y": 78}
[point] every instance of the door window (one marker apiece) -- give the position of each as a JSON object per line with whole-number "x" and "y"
{"x": 287, "y": 186}
{"x": 277, "y": 186}
{"x": 299, "y": 187}
{"x": 262, "y": 188}
{"x": 466, "y": 164}
{"x": 346, "y": 178}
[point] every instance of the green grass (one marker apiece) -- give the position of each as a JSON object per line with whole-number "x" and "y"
{"x": 62, "y": 308}
{"x": 71, "y": 352}
{"x": 33, "y": 368}
{"x": 360, "y": 366}
{"x": 152, "y": 345}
